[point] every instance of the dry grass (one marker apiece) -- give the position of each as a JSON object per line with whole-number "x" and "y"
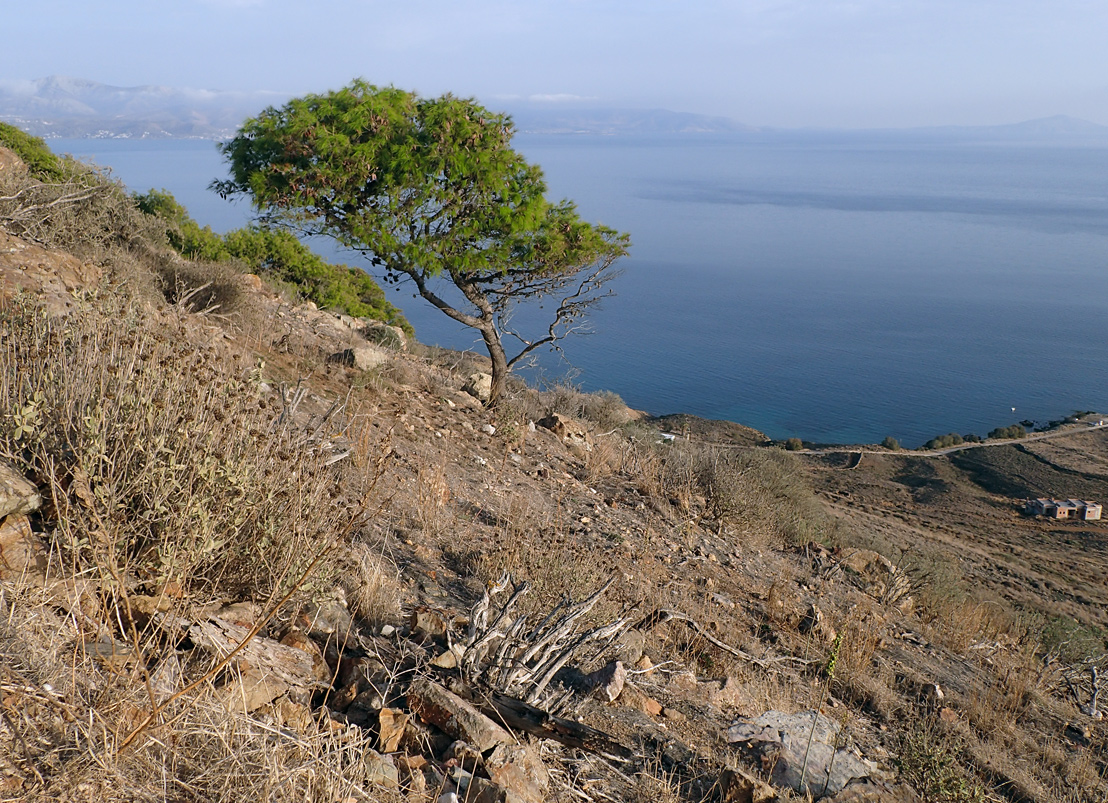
{"x": 167, "y": 478}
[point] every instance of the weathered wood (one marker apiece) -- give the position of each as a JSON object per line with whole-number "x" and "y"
{"x": 291, "y": 665}
{"x": 521, "y": 716}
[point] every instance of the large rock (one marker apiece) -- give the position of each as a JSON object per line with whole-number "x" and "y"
{"x": 567, "y": 431}
{"x": 877, "y": 576}
{"x": 737, "y": 786}
{"x": 17, "y": 494}
{"x": 518, "y": 770}
{"x": 10, "y": 163}
{"x": 479, "y": 386}
{"x": 389, "y": 337}
{"x": 454, "y": 716}
{"x": 364, "y": 358}
{"x": 51, "y": 276}
{"x": 22, "y": 555}
{"x": 807, "y": 751}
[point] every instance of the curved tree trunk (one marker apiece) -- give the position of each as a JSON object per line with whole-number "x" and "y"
{"x": 499, "y": 362}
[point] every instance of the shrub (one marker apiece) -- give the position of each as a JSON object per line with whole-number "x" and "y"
{"x": 928, "y": 760}
{"x": 34, "y": 152}
{"x": 944, "y": 441}
{"x": 794, "y": 444}
{"x": 278, "y": 256}
{"x": 1008, "y": 433}
{"x": 891, "y": 443}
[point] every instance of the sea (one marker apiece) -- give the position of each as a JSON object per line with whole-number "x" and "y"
{"x": 833, "y": 288}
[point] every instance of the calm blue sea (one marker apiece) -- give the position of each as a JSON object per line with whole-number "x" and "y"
{"x": 832, "y": 289}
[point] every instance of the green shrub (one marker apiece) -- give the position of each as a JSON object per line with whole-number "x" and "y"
{"x": 944, "y": 441}
{"x": 1008, "y": 433}
{"x": 794, "y": 444}
{"x": 278, "y": 256}
{"x": 891, "y": 443}
{"x": 34, "y": 152}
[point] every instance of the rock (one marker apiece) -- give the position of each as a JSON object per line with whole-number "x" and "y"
{"x": 877, "y": 576}
{"x": 381, "y": 770}
{"x": 445, "y": 660}
{"x": 632, "y": 697}
{"x": 813, "y": 623}
{"x": 782, "y": 741}
{"x": 17, "y": 494}
{"x": 737, "y": 786}
{"x": 673, "y": 715}
{"x": 294, "y": 716}
{"x": 426, "y": 625}
{"x": 479, "y": 386}
{"x": 384, "y": 335}
{"x": 488, "y": 429}
{"x": 22, "y": 554}
{"x": 53, "y": 276}
{"x": 607, "y": 682}
{"x": 567, "y": 431}
{"x": 517, "y": 769}
{"x": 875, "y": 792}
{"x": 454, "y": 716}
{"x": 475, "y": 789}
{"x": 630, "y": 646}
{"x": 364, "y": 358}
{"x": 391, "y": 725}
{"x": 244, "y": 614}
{"x": 10, "y": 163}
{"x": 329, "y": 617}
{"x": 411, "y": 773}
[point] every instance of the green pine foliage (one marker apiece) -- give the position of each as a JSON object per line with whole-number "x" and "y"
{"x": 278, "y": 256}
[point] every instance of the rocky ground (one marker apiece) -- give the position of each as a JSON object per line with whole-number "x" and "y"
{"x": 267, "y": 552}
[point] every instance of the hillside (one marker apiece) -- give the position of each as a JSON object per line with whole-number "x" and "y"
{"x": 258, "y": 550}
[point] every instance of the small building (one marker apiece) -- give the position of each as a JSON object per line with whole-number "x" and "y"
{"x": 1064, "y": 509}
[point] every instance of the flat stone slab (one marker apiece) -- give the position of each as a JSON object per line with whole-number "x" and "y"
{"x": 782, "y": 741}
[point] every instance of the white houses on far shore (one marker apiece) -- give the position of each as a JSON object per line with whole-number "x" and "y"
{"x": 1068, "y": 509}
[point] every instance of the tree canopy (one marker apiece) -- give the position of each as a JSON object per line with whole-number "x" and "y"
{"x": 428, "y": 188}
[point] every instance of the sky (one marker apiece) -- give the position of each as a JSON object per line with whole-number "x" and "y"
{"x": 787, "y": 63}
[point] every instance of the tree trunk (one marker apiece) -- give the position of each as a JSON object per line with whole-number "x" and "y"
{"x": 499, "y": 362}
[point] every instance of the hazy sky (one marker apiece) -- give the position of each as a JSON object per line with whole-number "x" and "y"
{"x": 763, "y": 62}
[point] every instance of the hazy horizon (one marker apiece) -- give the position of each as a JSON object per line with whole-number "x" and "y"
{"x": 764, "y": 63}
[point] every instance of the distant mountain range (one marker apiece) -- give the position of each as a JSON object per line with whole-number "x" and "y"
{"x": 73, "y": 107}
{"x": 58, "y": 106}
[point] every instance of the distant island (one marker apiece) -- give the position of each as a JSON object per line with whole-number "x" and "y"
{"x": 76, "y": 108}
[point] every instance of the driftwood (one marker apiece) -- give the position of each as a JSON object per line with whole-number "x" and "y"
{"x": 518, "y": 660}
{"x": 520, "y": 716}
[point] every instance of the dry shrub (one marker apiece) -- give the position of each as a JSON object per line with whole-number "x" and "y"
{"x": 67, "y": 717}
{"x": 84, "y": 212}
{"x": 958, "y": 623}
{"x": 162, "y": 469}
{"x": 929, "y": 760}
{"x": 201, "y": 286}
{"x": 1015, "y": 678}
{"x": 759, "y": 490}
{"x": 554, "y": 566}
{"x": 432, "y": 513}
{"x": 373, "y": 587}
{"x": 607, "y": 459}
{"x": 158, "y": 459}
